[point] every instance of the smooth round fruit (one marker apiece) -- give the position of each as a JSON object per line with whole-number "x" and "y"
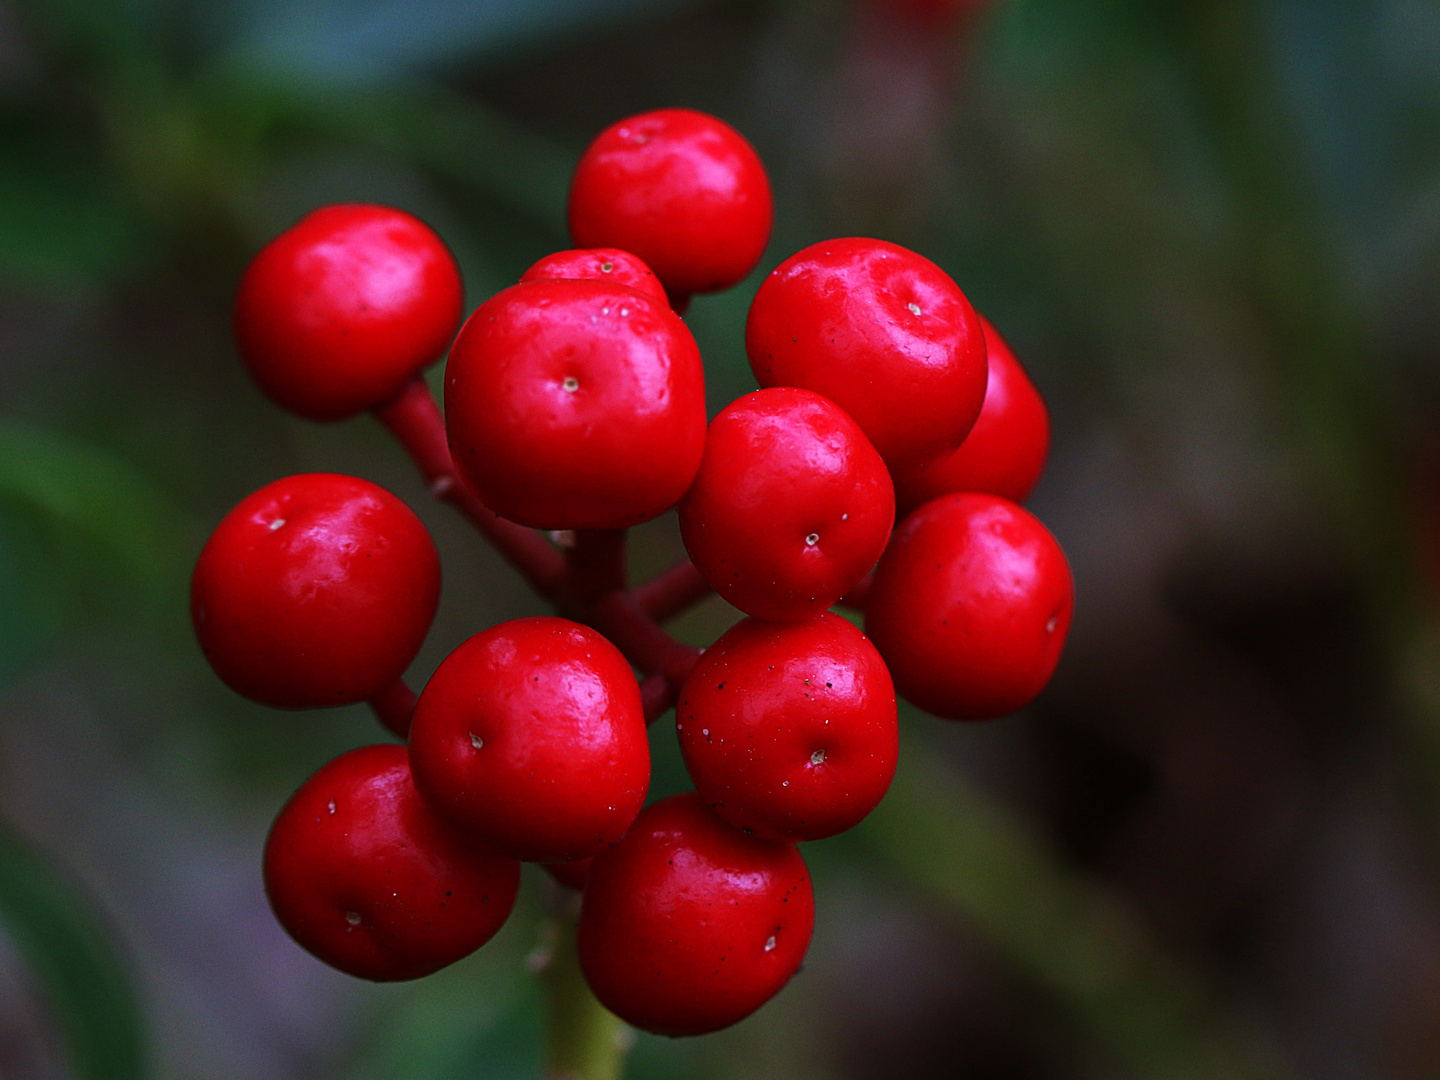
{"x": 575, "y": 405}
{"x": 791, "y": 507}
{"x": 789, "y": 729}
{"x": 970, "y": 607}
{"x": 366, "y": 877}
{"x": 532, "y": 735}
{"x": 339, "y": 312}
{"x": 599, "y": 264}
{"x": 316, "y": 590}
{"x": 1004, "y": 454}
{"x": 882, "y": 332}
{"x": 688, "y": 926}
{"x": 682, "y": 190}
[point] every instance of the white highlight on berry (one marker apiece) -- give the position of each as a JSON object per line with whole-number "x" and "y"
{"x": 277, "y": 523}
{"x": 332, "y": 806}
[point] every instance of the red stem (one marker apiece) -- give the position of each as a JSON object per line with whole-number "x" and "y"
{"x": 668, "y": 594}
{"x": 586, "y": 583}
{"x": 414, "y": 419}
{"x": 395, "y": 707}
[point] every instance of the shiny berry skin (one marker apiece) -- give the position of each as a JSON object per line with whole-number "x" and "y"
{"x": 970, "y": 607}
{"x": 791, "y": 507}
{"x": 369, "y": 879}
{"x": 1004, "y": 454}
{"x": 687, "y": 925}
{"x": 316, "y": 590}
{"x": 532, "y": 735}
{"x": 882, "y": 332}
{"x": 683, "y": 191}
{"x": 599, "y": 264}
{"x": 575, "y": 404}
{"x": 789, "y": 729}
{"x": 339, "y": 312}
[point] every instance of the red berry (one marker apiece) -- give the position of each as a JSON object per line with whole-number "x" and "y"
{"x": 367, "y": 878}
{"x": 791, "y": 507}
{"x": 970, "y": 607}
{"x": 788, "y": 729}
{"x": 339, "y": 312}
{"x": 575, "y": 405}
{"x": 532, "y": 734}
{"x": 599, "y": 264}
{"x": 1005, "y": 451}
{"x": 688, "y": 926}
{"x": 882, "y": 332}
{"x": 682, "y": 190}
{"x": 316, "y": 590}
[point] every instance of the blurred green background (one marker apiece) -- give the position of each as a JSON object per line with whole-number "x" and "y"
{"x": 1211, "y": 230}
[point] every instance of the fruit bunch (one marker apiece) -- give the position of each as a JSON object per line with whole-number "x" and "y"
{"x": 574, "y": 409}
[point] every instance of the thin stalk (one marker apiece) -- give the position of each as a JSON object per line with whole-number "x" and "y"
{"x": 584, "y": 1040}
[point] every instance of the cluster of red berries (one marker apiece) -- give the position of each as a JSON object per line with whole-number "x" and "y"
{"x": 574, "y": 403}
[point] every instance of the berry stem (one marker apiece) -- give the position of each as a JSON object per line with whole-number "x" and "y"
{"x": 586, "y": 582}
{"x": 669, "y": 593}
{"x": 414, "y": 419}
{"x": 395, "y": 707}
{"x": 584, "y": 1040}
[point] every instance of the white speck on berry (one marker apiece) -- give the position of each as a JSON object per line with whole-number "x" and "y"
{"x": 812, "y": 539}
{"x": 770, "y": 943}
{"x": 477, "y": 742}
{"x": 817, "y": 758}
{"x": 571, "y": 384}
{"x": 914, "y": 308}
{"x": 277, "y": 523}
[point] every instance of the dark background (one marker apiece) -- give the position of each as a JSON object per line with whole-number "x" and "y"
{"x": 1210, "y": 230}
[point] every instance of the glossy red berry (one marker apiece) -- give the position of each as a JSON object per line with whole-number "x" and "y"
{"x": 367, "y": 878}
{"x": 339, "y": 312}
{"x": 687, "y": 925}
{"x": 789, "y": 729}
{"x": 575, "y": 405}
{"x": 1005, "y": 451}
{"x": 316, "y": 590}
{"x": 791, "y": 507}
{"x": 970, "y": 607}
{"x": 882, "y": 332}
{"x": 532, "y": 735}
{"x": 682, "y": 190}
{"x": 599, "y": 264}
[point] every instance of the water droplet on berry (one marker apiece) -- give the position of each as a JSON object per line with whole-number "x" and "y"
{"x": 571, "y": 384}
{"x": 476, "y": 741}
{"x": 770, "y": 943}
{"x": 812, "y": 539}
{"x": 277, "y": 523}
{"x": 914, "y": 308}
{"x": 817, "y": 758}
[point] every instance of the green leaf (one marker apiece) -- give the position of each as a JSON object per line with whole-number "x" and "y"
{"x": 86, "y": 489}
{"x": 66, "y": 945}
